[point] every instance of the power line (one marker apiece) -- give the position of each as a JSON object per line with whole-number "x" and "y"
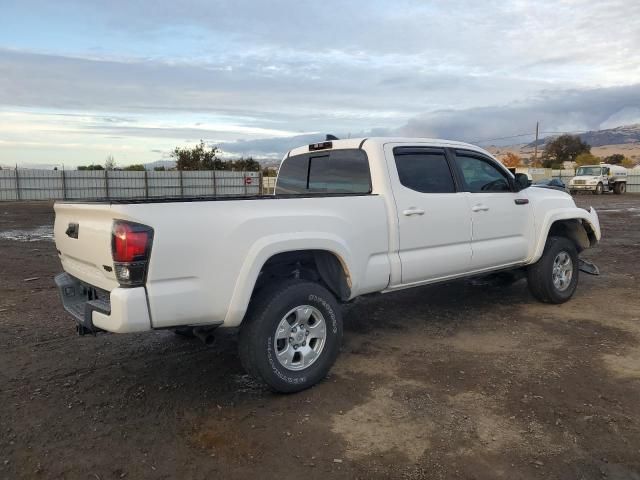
{"x": 550, "y": 132}
{"x": 501, "y": 138}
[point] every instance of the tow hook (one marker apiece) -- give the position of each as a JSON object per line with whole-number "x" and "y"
{"x": 588, "y": 267}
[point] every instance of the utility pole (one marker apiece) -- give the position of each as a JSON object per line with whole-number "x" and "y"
{"x": 535, "y": 147}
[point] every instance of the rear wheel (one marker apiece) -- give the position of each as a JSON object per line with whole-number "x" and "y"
{"x": 554, "y": 278}
{"x": 619, "y": 188}
{"x": 291, "y": 335}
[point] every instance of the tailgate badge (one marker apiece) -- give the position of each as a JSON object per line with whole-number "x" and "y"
{"x": 72, "y": 230}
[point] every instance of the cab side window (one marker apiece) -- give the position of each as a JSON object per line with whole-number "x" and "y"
{"x": 423, "y": 170}
{"x": 481, "y": 175}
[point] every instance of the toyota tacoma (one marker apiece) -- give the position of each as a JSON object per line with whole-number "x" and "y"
{"x": 348, "y": 218}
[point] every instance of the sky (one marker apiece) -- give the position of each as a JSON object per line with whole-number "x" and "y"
{"x": 81, "y": 80}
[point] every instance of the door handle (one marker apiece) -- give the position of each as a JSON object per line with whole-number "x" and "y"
{"x": 479, "y": 208}
{"x": 413, "y": 211}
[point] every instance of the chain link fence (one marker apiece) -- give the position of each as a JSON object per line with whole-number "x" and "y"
{"x": 19, "y": 184}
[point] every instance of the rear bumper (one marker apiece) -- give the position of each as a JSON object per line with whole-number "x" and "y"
{"x": 123, "y": 310}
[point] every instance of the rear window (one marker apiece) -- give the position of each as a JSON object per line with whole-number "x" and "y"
{"x": 331, "y": 171}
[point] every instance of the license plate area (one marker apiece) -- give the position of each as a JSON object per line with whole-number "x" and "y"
{"x": 81, "y": 300}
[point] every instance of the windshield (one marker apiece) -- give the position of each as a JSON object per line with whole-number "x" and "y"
{"x": 588, "y": 171}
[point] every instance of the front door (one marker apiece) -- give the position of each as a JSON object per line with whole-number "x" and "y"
{"x": 433, "y": 216}
{"x": 501, "y": 218}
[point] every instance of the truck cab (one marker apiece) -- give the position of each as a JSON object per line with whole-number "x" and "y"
{"x": 598, "y": 179}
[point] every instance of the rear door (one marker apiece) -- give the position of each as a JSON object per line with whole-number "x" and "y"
{"x": 501, "y": 218}
{"x": 433, "y": 216}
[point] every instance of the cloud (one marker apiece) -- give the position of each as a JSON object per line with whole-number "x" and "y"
{"x": 569, "y": 110}
{"x": 564, "y": 111}
{"x": 137, "y": 76}
{"x": 351, "y": 94}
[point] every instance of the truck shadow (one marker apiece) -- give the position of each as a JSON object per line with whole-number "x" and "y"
{"x": 454, "y": 304}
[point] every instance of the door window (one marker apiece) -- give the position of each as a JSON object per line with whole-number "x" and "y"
{"x": 424, "y": 171}
{"x": 481, "y": 175}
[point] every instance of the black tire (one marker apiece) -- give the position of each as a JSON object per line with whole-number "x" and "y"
{"x": 619, "y": 188}
{"x": 599, "y": 189}
{"x": 540, "y": 274}
{"x": 258, "y": 345}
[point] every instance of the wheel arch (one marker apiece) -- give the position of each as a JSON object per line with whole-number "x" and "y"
{"x": 316, "y": 265}
{"x": 583, "y": 229}
{"x": 327, "y": 257}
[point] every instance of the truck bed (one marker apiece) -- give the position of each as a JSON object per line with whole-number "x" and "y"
{"x": 135, "y": 201}
{"x": 207, "y": 252}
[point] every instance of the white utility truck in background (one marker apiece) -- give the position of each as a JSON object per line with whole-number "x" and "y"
{"x": 599, "y": 178}
{"x": 349, "y": 217}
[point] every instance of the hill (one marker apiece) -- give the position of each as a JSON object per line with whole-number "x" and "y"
{"x": 167, "y": 164}
{"x": 624, "y": 140}
{"x": 627, "y": 134}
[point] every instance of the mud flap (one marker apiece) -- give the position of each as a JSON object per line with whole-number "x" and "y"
{"x": 588, "y": 267}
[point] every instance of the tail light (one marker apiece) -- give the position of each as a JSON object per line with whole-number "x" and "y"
{"x": 131, "y": 249}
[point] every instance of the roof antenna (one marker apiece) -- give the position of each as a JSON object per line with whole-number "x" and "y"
{"x": 331, "y": 137}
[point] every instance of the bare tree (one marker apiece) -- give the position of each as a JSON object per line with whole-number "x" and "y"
{"x": 109, "y": 163}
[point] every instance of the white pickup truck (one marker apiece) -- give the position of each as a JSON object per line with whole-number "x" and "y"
{"x": 349, "y": 217}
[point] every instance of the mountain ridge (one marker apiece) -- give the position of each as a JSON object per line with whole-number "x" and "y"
{"x": 599, "y": 138}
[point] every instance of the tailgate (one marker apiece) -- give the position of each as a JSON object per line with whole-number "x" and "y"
{"x": 83, "y": 239}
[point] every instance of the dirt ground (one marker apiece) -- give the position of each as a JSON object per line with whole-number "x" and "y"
{"x": 452, "y": 381}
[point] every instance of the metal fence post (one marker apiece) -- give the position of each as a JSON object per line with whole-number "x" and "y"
{"x": 106, "y": 182}
{"x": 146, "y": 184}
{"x": 18, "y": 184}
{"x": 181, "y": 184}
{"x": 261, "y": 185}
{"x": 215, "y": 191}
{"x": 244, "y": 181}
{"x": 64, "y": 185}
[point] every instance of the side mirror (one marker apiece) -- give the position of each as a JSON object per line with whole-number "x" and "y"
{"x": 522, "y": 181}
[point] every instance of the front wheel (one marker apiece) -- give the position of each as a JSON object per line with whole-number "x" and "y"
{"x": 599, "y": 189}
{"x": 554, "y": 278}
{"x": 291, "y": 335}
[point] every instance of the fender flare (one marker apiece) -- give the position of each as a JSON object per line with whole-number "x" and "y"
{"x": 589, "y": 219}
{"x": 265, "y": 248}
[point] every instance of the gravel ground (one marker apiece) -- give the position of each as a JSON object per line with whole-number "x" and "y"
{"x": 450, "y": 381}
